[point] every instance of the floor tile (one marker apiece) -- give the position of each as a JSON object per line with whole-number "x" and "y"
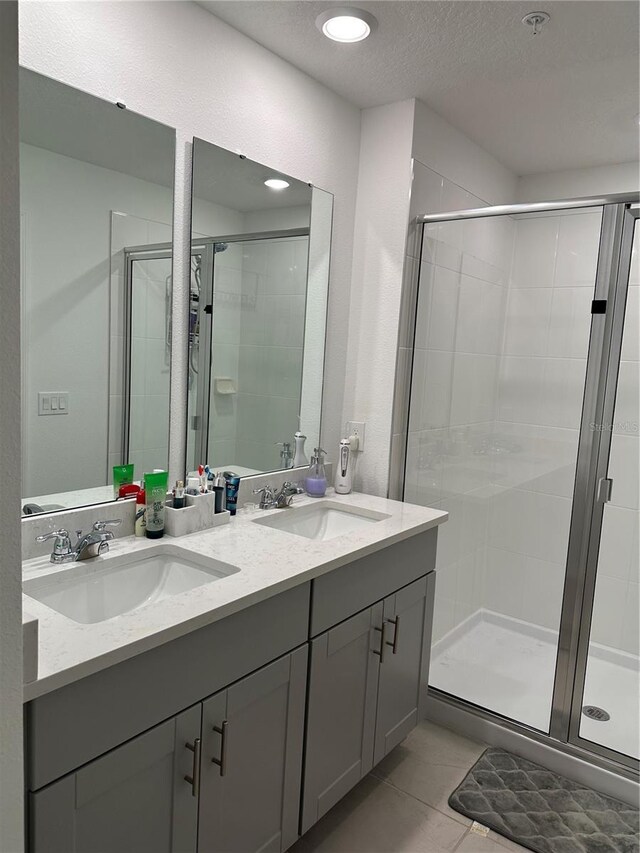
{"x": 437, "y": 745}
{"x": 429, "y": 783}
{"x": 377, "y": 818}
{"x": 429, "y": 765}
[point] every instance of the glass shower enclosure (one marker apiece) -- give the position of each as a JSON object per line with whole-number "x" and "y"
{"x": 523, "y": 425}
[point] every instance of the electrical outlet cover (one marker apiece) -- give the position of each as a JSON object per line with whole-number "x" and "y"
{"x": 356, "y": 428}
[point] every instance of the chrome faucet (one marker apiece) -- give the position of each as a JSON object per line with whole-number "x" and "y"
{"x": 281, "y": 499}
{"x": 88, "y": 545}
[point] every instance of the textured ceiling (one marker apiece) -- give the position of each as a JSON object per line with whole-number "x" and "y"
{"x": 564, "y": 99}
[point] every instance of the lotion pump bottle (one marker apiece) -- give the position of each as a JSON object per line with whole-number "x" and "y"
{"x": 299, "y": 458}
{"x": 316, "y": 480}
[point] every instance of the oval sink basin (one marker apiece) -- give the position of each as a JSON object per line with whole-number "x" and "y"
{"x": 90, "y": 592}
{"x": 324, "y": 520}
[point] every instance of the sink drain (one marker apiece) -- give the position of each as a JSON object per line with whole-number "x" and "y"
{"x": 595, "y": 713}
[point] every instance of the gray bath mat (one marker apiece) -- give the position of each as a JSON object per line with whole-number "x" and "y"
{"x": 542, "y": 810}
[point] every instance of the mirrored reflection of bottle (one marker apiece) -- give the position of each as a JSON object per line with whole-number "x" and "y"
{"x": 300, "y": 457}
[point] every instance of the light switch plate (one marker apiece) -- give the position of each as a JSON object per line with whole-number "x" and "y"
{"x": 53, "y": 402}
{"x": 356, "y": 428}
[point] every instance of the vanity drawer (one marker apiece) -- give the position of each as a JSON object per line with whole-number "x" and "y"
{"x": 73, "y": 725}
{"x": 339, "y": 594}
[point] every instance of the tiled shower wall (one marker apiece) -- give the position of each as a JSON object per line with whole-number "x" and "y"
{"x": 274, "y": 284}
{"x": 542, "y": 376}
{"x": 461, "y": 304}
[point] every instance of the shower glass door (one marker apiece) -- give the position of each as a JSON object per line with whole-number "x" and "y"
{"x": 500, "y": 360}
{"x": 607, "y": 707}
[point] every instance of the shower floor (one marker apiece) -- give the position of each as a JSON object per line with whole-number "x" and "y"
{"x": 507, "y": 666}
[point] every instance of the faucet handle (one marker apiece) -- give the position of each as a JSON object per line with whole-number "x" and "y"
{"x": 62, "y": 545}
{"x": 265, "y": 491}
{"x": 55, "y": 534}
{"x": 290, "y": 488}
{"x": 101, "y": 526}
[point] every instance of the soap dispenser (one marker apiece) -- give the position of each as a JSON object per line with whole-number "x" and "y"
{"x": 300, "y": 457}
{"x": 344, "y": 472}
{"x": 315, "y": 482}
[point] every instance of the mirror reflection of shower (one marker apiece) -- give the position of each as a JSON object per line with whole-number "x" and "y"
{"x": 195, "y": 300}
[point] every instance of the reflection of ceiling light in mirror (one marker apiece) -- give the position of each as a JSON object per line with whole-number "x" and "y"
{"x": 346, "y": 24}
{"x": 276, "y": 184}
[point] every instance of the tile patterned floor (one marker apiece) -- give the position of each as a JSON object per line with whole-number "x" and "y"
{"x": 401, "y": 807}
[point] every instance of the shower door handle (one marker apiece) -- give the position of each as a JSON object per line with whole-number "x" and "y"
{"x": 605, "y": 485}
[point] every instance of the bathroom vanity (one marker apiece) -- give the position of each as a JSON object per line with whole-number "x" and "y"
{"x": 230, "y": 716}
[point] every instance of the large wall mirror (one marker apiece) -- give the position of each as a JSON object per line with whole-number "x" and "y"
{"x": 96, "y": 185}
{"x": 258, "y": 302}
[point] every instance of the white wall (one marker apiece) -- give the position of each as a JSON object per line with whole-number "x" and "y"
{"x": 384, "y": 180}
{"x": 617, "y": 178}
{"x": 446, "y": 150}
{"x": 195, "y": 73}
{"x": 11, "y": 783}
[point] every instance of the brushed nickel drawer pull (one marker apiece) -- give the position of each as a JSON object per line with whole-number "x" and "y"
{"x": 222, "y": 761}
{"x": 394, "y": 644}
{"x": 383, "y": 642}
{"x": 194, "y": 779}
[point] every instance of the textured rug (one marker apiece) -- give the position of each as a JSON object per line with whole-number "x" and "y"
{"x": 542, "y": 810}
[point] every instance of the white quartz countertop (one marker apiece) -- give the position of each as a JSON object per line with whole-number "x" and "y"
{"x": 270, "y": 561}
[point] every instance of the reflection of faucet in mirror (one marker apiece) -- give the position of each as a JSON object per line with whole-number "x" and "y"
{"x": 286, "y": 456}
{"x": 90, "y": 544}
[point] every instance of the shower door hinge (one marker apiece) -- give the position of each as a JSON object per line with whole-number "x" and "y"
{"x": 605, "y": 485}
{"x": 196, "y": 421}
{"x": 599, "y": 306}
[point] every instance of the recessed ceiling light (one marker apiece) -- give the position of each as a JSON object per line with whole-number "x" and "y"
{"x": 276, "y": 184}
{"x": 346, "y": 24}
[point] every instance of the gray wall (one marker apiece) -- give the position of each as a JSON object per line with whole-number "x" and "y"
{"x": 11, "y": 821}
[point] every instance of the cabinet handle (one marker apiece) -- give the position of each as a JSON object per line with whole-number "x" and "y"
{"x": 383, "y": 642}
{"x": 394, "y": 644}
{"x": 194, "y": 779}
{"x": 222, "y": 761}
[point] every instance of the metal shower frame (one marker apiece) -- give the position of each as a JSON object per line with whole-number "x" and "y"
{"x": 592, "y": 485}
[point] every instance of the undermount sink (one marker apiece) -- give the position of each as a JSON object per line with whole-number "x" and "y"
{"x": 90, "y": 592}
{"x": 324, "y": 520}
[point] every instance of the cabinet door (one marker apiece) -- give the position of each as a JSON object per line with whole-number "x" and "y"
{"x": 134, "y": 799}
{"x": 252, "y": 760}
{"x": 341, "y": 711}
{"x": 403, "y": 674}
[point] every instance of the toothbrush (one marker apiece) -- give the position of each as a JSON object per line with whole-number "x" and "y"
{"x": 203, "y": 478}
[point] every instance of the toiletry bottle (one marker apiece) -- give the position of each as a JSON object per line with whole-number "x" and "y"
{"x": 232, "y": 481}
{"x": 219, "y": 487}
{"x": 141, "y": 513}
{"x": 178, "y": 495}
{"x": 316, "y": 480}
{"x": 155, "y": 486}
{"x": 122, "y": 476}
{"x": 300, "y": 457}
{"x": 344, "y": 468}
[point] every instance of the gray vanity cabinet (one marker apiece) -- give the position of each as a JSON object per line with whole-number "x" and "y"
{"x": 402, "y": 684}
{"x": 343, "y": 684}
{"x": 134, "y": 798}
{"x": 252, "y": 741}
{"x": 367, "y": 685}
